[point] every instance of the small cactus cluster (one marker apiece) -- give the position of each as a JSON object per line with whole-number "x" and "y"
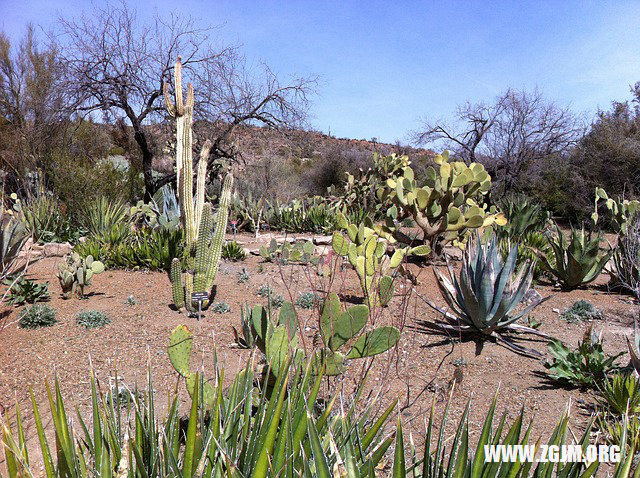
{"x": 446, "y": 207}
{"x": 367, "y": 253}
{"x": 301, "y": 252}
{"x": 179, "y": 350}
{"x": 75, "y": 273}
{"x": 202, "y": 246}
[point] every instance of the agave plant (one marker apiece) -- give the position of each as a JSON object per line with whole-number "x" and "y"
{"x": 485, "y": 298}
{"x": 523, "y": 217}
{"x": 575, "y": 262}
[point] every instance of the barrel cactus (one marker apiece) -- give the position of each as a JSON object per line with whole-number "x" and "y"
{"x": 446, "y": 207}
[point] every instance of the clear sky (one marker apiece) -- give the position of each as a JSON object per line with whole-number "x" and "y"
{"x": 385, "y": 64}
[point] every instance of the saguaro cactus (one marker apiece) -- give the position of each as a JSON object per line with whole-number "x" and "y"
{"x": 203, "y": 244}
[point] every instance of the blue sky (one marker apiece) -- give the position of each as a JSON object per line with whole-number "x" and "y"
{"x": 384, "y": 65}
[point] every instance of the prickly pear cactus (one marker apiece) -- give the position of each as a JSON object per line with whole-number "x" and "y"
{"x": 203, "y": 241}
{"x": 366, "y": 250}
{"x": 75, "y": 273}
{"x": 179, "y": 350}
{"x": 446, "y": 207}
{"x": 344, "y": 339}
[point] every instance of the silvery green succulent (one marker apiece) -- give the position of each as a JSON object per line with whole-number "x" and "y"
{"x": 484, "y": 298}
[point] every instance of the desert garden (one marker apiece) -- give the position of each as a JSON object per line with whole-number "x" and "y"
{"x": 389, "y": 328}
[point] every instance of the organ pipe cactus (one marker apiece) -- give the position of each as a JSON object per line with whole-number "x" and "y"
{"x": 75, "y": 273}
{"x": 484, "y": 298}
{"x": 446, "y": 207}
{"x": 575, "y": 262}
{"x": 203, "y": 248}
{"x": 366, "y": 251}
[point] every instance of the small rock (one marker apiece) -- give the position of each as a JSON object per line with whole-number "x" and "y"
{"x": 557, "y": 311}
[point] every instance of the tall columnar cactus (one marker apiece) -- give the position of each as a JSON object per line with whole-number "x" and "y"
{"x": 366, "y": 252}
{"x": 446, "y": 207}
{"x": 203, "y": 249}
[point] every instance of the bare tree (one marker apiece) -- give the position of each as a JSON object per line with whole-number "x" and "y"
{"x": 117, "y": 64}
{"x": 31, "y": 102}
{"x": 509, "y": 136}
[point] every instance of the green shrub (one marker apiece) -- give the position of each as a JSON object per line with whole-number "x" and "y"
{"x": 587, "y": 366}
{"x": 92, "y": 319}
{"x": 26, "y": 291}
{"x": 264, "y": 290}
{"x": 232, "y": 251}
{"x": 36, "y": 316}
{"x": 95, "y": 179}
{"x": 581, "y": 311}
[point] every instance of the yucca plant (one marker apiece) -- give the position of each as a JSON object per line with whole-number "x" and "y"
{"x": 484, "y": 299}
{"x": 246, "y": 430}
{"x": 12, "y": 237}
{"x": 101, "y": 215}
{"x": 621, "y": 394}
{"x": 577, "y": 261}
{"x": 232, "y": 251}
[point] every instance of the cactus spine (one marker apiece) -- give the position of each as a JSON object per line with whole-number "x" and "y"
{"x": 203, "y": 249}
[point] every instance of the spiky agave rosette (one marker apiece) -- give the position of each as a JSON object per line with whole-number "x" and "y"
{"x": 485, "y": 298}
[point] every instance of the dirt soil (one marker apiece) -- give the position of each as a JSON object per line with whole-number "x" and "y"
{"x": 418, "y": 372}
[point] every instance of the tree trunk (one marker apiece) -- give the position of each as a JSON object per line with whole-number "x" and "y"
{"x": 147, "y": 159}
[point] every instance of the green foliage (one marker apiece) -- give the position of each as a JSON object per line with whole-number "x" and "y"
{"x": 485, "y": 297}
{"x": 101, "y": 216}
{"x": 146, "y": 248}
{"x": 311, "y": 215}
{"x": 585, "y": 367}
{"x": 246, "y": 430}
{"x": 12, "y": 237}
{"x": 366, "y": 251}
{"x": 36, "y": 316}
{"x": 621, "y": 394}
{"x": 23, "y": 291}
{"x": 345, "y": 337}
{"x": 42, "y": 218}
{"x": 577, "y": 261}
{"x": 307, "y": 300}
{"x": 530, "y": 247}
{"x": 581, "y": 311}
{"x": 232, "y": 251}
{"x": 220, "y": 308}
{"x": 75, "y": 273}
{"x": 524, "y": 217}
{"x": 446, "y": 207}
{"x": 70, "y": 174}
{"x": 92, "y": 319}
